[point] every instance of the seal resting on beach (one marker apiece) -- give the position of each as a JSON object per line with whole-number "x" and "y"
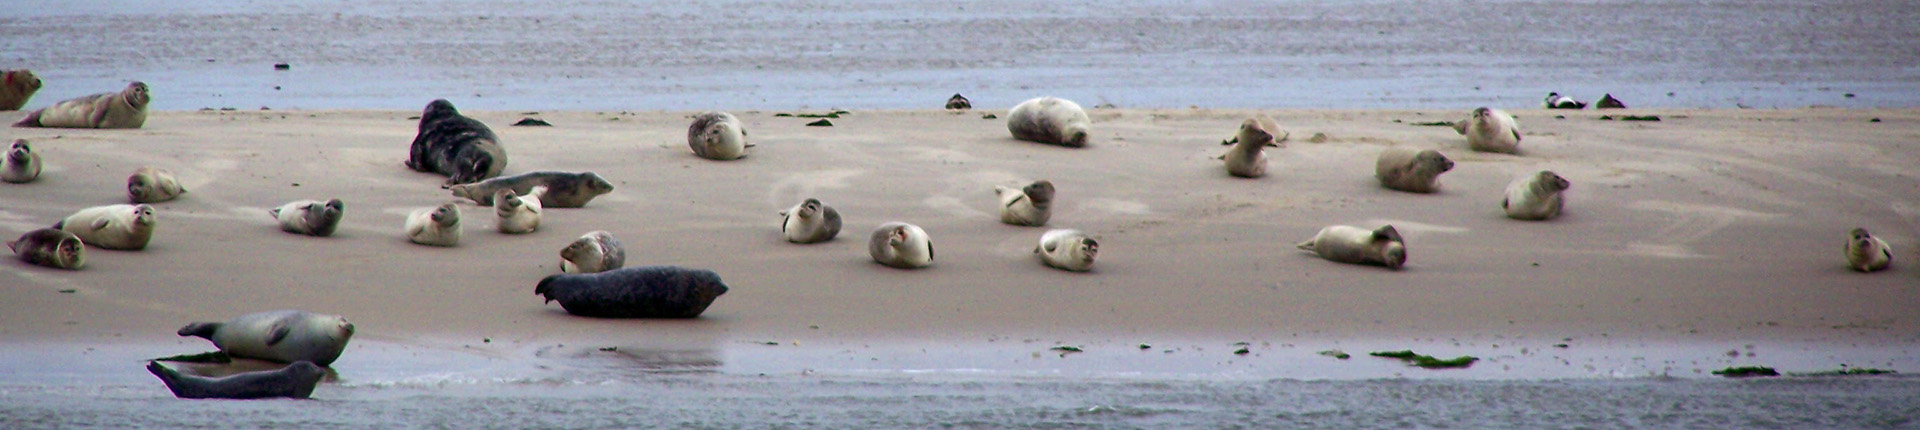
{"x": 596, "y": 251}
{"x": 123, "y": 227}
{"x": 1556, "y": 101}
{"x": 958, "y": 103}
{"x": 452, "y": 144}
{"x": 717, "y": 136}
{"x": 1069, "y": 250}
{"x": 21, "y": 165}
{"x": 564, "y": 189}
{"x": 52, "y": 248}
{"x": 1608, "y": 102}
{"x": 153, "y": 185}
{"x": 1867, "y": 253}
{"x": 1049, "y": 120}
{"x": 1535, "y": 197}
{"x": 16, "y": 86}
{"x": 1411, "y": 170}
{"x": 284, "y": 336}
{"x": 518, "y": 214}
{"x": 1490, "y": 130}
{"x": 1354, "y": 245}
{"x": 810, "y": 222}
{"x": 1030, "y": 206}
{"x": 435, "y": 226}
{"x": 296, "y": 381}
{"x": 634, "y": 292}
{"x": 1248, "y": 158}
{"x": 310, "y": 217}
{"x": 901, "y": 245}
{"x": 124, "y": 109}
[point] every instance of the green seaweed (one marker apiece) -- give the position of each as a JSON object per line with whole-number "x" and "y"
{"x": 1848, "y": 371}
{"x": 1434, "y": 124}
{"x": 1335, "y": 353}
{"x": 1242, "y": 351}
{"x": 1065, "y": 348}
{"x": 1651, "y": 118}
{"x": 820, "y": 123}
{"x": 1146, "y": 346}
{"x": 834, "y": 114}
{"x": 1427, "y": 361}
{"x": 989, "y": 116}
{"x": 204, "y": 357}
{"x": 1746, "y": 371}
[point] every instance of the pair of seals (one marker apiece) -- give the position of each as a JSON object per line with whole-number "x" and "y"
{"x": 1535, "y": 197}
{"x": 1608, "y": 102}
{"x": 518, "y": 214}
{"x": 634, "y": 292}
{"x": 901, "y": 245}
{"x": 810, "y": 222}
{"x": 1069, "y": 250}
{"x": 284, "y": 336}
{"x": 52, "y": 248}
{"x": 124, "y": 109}
{"x": 1049, "y": 120}
{"x": 1354, "y": 245}
{"x": 717, "y": 136}
{"x": 452, "y": 144}
{"x": 564, "y": 190}
{"x": 1490, "y": 130}
{"x": 1248, "y": 158}
{"x": 16, "y": 86}
{"x": 123, "y": 227}
{"x": 1557, "y": 101}
{"x": 296, "y": 381}
{"x": 435, "y": 226}
{"x": 1411, "y": 170}
{"x": 310, "y": 217}
{"x": 958, "y": 103}
{"x": 596, "y": 251}
{"x": 153, "y": 185}
{"x": 1867, "y": 253}
{"x": 1030, "y": 206}
{"x": 21, "y": 165}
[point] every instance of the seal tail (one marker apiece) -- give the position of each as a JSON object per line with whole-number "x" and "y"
{"x": 201, "y": 329}
{"x": 32, "y": 119}
{"x": 545, "y": 289}
{"x": 1305, "y": 246}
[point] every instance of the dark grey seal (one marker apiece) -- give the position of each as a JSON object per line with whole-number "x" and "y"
{"x": 635, "y": 292}
{"x": 294, "y": 381}
{"x": 564, "y": 190}
{"x": 452, "y": 144}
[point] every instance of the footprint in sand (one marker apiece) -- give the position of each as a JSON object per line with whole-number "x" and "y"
{"x": 1690, "y": 223}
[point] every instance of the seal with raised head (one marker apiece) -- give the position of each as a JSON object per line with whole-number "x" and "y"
{"x": 1069, "y": 250}
{"x": 901, "y": 245}
{"x": 564, "y": 190}
{"x": 435, "y": 226}
{"x": 1031, "y": 205}
{"x": 958, "y": 103}
{"x": 16, "y": 86}
{"x": 295, "y": 381}
{"x": 153, "y": 185}
{"x": 124, "y": 109}
{"x": 717, "y": 136}
{"x": 518, "y": 214}
{"x": 21, "y": 165}
{"x": 634, "y": 292}
{"x": 596, "y": 251}
{"x": 1490, "y": 130}
{"x": 455, "y": 145}
{"x": 1248, "y": 158}
{"x": 284, "y": 336}
{"x": 1411, "y": 170}
{"x": 1354, "y": 245}
{"x": 1556, "y": 101}
{"x": 809, "y": 222}
{"x": 1608, "y": 102}
{"x": 52, "y": 248}
{"x": 123, "y": 227}
{"x": 310, "y": 217}
{"x": 1867, "y": 253}
{"x": 1535, "y": 197}
{"x": 1049, "y": 120}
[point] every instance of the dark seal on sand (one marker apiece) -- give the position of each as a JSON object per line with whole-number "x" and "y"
{"x": 1608, "y": 102}
{"x": 634, "y": 292}
{"x": 958, "y": 103}
{"x": 454, "y": 145}
{"x": 297, "y": 381}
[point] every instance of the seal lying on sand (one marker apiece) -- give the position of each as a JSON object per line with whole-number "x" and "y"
{"x": 310, "y": 217}
{"x": 152, "y": 185}
{"x": 1049, "y": 120}
{"x": 124, "y": 109}
{"x": 518, "y": 214}
{"x": 1867, "y": 253}
{"x": 16, "y": 86}
{"x": 1557, "y": 101}
{"x": 284, "y": 336}
{"x": 21, "y": 165}
{"x": 596, "y": 251}
{"x": 810, "y": 222}
{"x": 1490, "y": 130}
{"x": 1354, "y": 245}
{"x": 297, "y": 381}
{"x": 1608, "y": 102}
{"x": 435, "y": 226}
{"x": 1411, "y": 170}
{"x": 901, "y": 245}
{"x": 1030, "y": 206}
{"x": 123, "y": 227}
{"x": 51, "y": 248}
{"x": 1535, "y": 197}
{"x": 452, "y": 144}
{"x": 564, "y": 190}
{"x": 717, "y": 136}
{"x": 1248, "y": 158}
{"x": 1069, "y": 250}
{"x": 958, "y": 103}
{"x": 634, "y": 292}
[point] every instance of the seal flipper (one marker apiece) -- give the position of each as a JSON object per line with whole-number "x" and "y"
{"x": 1460, "y": 126}
{"x": 1306, "y": 246}
{"x": 1503, "y": 203}
{"x": 1387, "y": 232}
{"x": 200, "y": 329}
{"x": 99, "y": 224}
{"x": 545, "y": 288}
{"x": 275, "y": 213}
{"x": 279, "y": 333}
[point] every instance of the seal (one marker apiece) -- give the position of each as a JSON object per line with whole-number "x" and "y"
{"x": 123, "y": 227}
{"x": 634, "y": 292}
{"x": 153, "y": 185}
{"x": 1535, "y": 197}
{"x": 16, "y": 86}
{"x": 435, "y": 226}
{"x": 124, "y": 109}
{"x": 21, "y": 165}
{"x": 1490, "y": 130}
{"x": 296, "y": 381}
{"x": 564, "y": 190}
{"x": 1248, "y": 158}
{"x": 1030, "y": 206}
{"x": 717, "y": 136}
{"x": 1410, "y": 170}
{"x": 284, "y": 336}
{"x": 901, "y": 245}
{"x": 52, "y": 248}
{"x": 452, "y": 144}
{"x": 1354, "y": 245}
{"x": 518, "y": 214}
{"x": 1557, "y": 101}
{"x": 1049, "y": 120}
{"x": 958, "y": 103}
{"x": 1069, "y": 250}
{"x": 310, "y": 217}
{"x": 1866, "y": 253}
{"x": 1608, "y": 102}
{"x": 596, "y": 251}
{"x": 810, "y": 222}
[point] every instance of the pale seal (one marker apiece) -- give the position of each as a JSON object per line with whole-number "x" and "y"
{"x": 1069, "y": 250}
{"x": 124, "y": 109}
{"x": 296, "y": 381}
{"x": 1867, "y": 253}
{"x": 518, "y": 214}
{"x": 1411, "y": 170}
{"x": 1031, "y": 205}
{"x": 1354, "y": 245}
{"x": 123, "y": 227}
{"x": 1490, "y": 130}
{"x": 596, "y": 251}
{"x": 901, "y": 245}
{"x": 1248, "y": 158}
{"x": 1535, "y": 197}
{"x": 153, "y": 185}
{"x": 51, "y": 248}
{"x": 717, "y": 136}
{"x": 1049, "y": 120}
{"x": 284, "y": 336}
{"x": 564, "y": 190}
{"x": 310, "y": 217}
{"x": 1608, "y": 102}
{"x": 958, "y": 103}
{"x": 1557, "y": 101}
{"x": 435, "y": 226}
{"x": 634, "y": 292}
{"x": 21, "y": 165}
{"x": 16, "y": 86}
{"x": 810, "y": 222}
{"x": 452, "y": 144}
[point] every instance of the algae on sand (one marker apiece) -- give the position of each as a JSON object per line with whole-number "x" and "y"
{"x": 1746, "y": 371}
{"x": 1427, "y": 361}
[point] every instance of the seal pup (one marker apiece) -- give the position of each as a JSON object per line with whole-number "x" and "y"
{"x": 153, "y": 185}
{"x": 1354, "y": 245}
{"x": 518, "y": 214}
{"x": 1556, "y": 101}
{"x": 1535, "y": 197}
{"x": 596, "y": 251}
{"x": 435, "y": 226}
{"x": 1867, "y": 253}
{"x": 452, "y": 144}
{"x": 958, "y": 103}
{"x": 901, "y": 245}
{"x": 124, "y": 109}
{"x": 284, "y": 336}
{"x": 634, "y": 292}
{"x": 717, "y": 136}
{"x": 295, "y": 381}
{"x": 16, "y": 86}
{"x": 810, "y": 222}
{"x": 1069, "y": 250}
{"x": 564, "y": 190}
{"x": 123, "y": 227}
{"x": 21, "y": 165}
{"x": 1608, "y": 102}
{"x": 1410, "y": 170}
{"x": 1030, "y": 206}
{"x": 1049, "y": 120}
{"x": 310, "y": 217}
{"x": 52, "y": 248}
{"x": 1490, "y": 130}
{"x": 1248, "y": 158}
